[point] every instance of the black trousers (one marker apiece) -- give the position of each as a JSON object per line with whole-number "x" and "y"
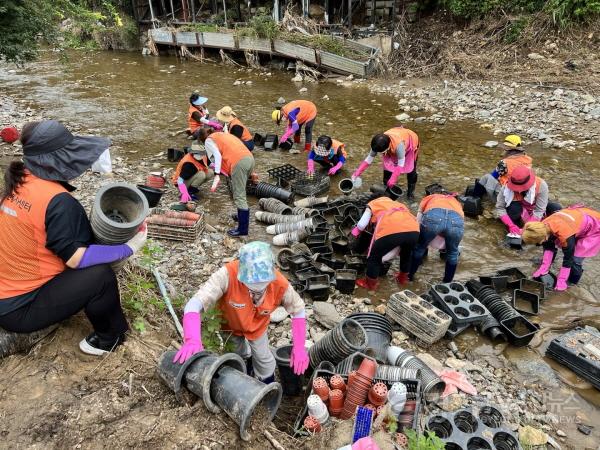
{"x": 515, "y": 209}
{"x": 95, "y": 290}
{"x": 406, "y": 241}
{"x": 411, "y": 177}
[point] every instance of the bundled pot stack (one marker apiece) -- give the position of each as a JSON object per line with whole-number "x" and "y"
{"x": 432, "y": 385}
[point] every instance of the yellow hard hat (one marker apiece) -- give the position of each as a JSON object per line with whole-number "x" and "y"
{"x": 512, "y": 140}
{"x": 276, "y": 115}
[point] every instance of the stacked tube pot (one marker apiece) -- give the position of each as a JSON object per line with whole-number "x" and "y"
{"x": 346, "y": 338}
{"x": 432, "y": 385}
{"x": 379, "y": 332}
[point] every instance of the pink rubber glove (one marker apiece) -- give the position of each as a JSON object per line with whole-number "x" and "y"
{"x": 215, "y": 183}
{"x": 215, "y": 125}
{"x": 355, "y": 232}
{"x": 192, "y": 337}
{"x": 394, "y": 178}
{"x": 299, "y": 357}
{"x": 361, "y": 168}
{"x": 185, "y": 195}
{"x": 512, "y": 228}
{"x": 534, "y": 219}
{"x": 335, "y": 168}
{"x": 546, "y": 263}
{"x": 286, "y": 135}
{"x": 454, "y": 381}
{"x": 561, "y": 280}
{"x": 310, "y": 166}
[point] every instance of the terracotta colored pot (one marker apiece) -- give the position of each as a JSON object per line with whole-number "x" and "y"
{"x": 336, "y": 399}
{"x": 321, "y": 388}
{"x": 351, "y": 376}
{"x": 378, "y": 394}
{"x": 312, "y": 424}
{"x": 409, "y": 406}
{"x": 402, "y": 440}
{"x": 367, "y": 368}
{"x": 380, "y": 409}
{"x": 371, "y": 407}
{"x": 155, "y": 181}
{"x": 337, "y": 382}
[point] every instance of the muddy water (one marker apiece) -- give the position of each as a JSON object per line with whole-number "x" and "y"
{"x": 138, "y": 101}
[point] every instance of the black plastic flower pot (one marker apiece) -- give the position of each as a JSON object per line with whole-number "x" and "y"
{"x": 271, "y": 141}
{"x": 297, "y": 262}
{"x": 263, "y": 190}
{"x": 514, "y": 242}
{"x": 472, "y": 206}
{"x": 259, "y": 139}
{"x": 173, "y": 373}
{"x": 519, "y": 330}
{"x": 393, "y": 192}
{"x": 345, "y": 338}
{"x": 356, "y": 262}
{"x": 434, "y": 188}
{"x": 331, "y": 261}
{"x": 549, "y": 280}
{"x": 317, "y": 287}
{"x": 514, "y": 277}
{"x": 498, "y": 282}
{"x": 533, "y": 286}
{"x": 345, "y": 280}
{"x": 153, "y": 195}
{"x": 340, "y": 244}
{"x": 346, "y": 185}
{"x": 175, "y": 155}
{"x": 286, "y": 145}
{"x": 363, "y": 242}
{"x": 526, "y": 302}
{"x": 290, "y": 382}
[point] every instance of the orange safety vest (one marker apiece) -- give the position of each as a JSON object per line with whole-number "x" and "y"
{"x": 194, "y": 124}
{"x": 442, "y": 201}
{"x": 513, "y": 162}
{"x": 339, "y": 147}
{"x": 389, "y": 221}
{"x": 520, "y": 196}
{"x": 201, "y": 165}
{"x": 567, "y": 222}
{"x": 242, "y": 317}
{"x": 246, "y": 136}
{"x": 401, "y": 134}
{"x": 25, "y": 262}
{"x": 308, "y": 110}
{"x": 232, "y": 150}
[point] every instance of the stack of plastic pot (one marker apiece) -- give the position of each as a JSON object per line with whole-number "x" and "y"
{"x": 274, "y": 205}
{"x": 379, "y": 332}
{"x": 266, "y": 190}
{"x": 432, "y": 385}
{"x": 358, "y": 387}
{"x": 317, "y": 408}
{"x": 346, "y": 338}
{"x": 272, "y": 218}
{"x": 397, "y": 398}
{"x": 384, "y": 372}
{"x": 336, "y": 402}
{"x": 290, "y": 382}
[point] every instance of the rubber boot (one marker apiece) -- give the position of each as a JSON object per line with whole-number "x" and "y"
{"x": 449, "y": 272}
{"x": 243, "y": 222}
{"x": 368, "y": 283}
{"x": 297, "y": 139}
{"x": 402, "y": 278}
{"x": 307, "y": 147}
{"x": 269, "y": 380}
{"x": 410, "y": 191}
{"x": 234, "y": 216}
{"x": 479, "y": 190}
{"x": 575, "y": 275}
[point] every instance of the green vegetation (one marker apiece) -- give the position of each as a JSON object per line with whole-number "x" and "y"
{"x": 199, "y": 27}
{"x": 427, "y": 441}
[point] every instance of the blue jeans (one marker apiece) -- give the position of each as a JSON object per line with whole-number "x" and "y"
{"x": 444, "y": 222}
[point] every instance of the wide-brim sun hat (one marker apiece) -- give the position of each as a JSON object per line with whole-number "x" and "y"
{"x": 521, "y": 179}
{"x": 257, "y": 263}
{"x": 53, "y": 153}
{"x": 226, "y": 114}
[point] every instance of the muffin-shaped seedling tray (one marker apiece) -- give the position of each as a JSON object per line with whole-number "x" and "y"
{"x": 514, "y": 277}
{"x": 454, "y": 330}
{"x": 533, "y": 286}
{"x": 480, "y": 429}
{"x": 526, "y": 302}
{"x": 455, "y": 299}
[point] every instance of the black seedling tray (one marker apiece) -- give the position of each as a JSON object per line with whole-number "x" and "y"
{"x": 514, "y": 277}
{"x": 535, "y": 287}
{"x": 284, "y": 174}
{"x": 454, "y": 330}
{"x": 571, "y": 347}
{"x": 519, "y": 330}
{"x": 308, "y": 185}
{"x": 526, "y": 302}
{"x": 455, "y": 299}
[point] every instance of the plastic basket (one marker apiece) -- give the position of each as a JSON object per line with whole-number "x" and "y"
{"x": 175, "y": 232}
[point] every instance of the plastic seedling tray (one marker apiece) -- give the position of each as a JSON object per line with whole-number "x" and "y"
{"x": 362, "y": 423}
{"x": 498, "y": 282}
{"x": 454, "y": 330}
{"x": 284, "y": 174}
{"x": 535, "y": 287}
{"x": 514, "y": 277}
{"x": 525, "y": 302}
{"x": 579, "y": 350}
{"x": 519, "y": 330}
{"x": 455, "y": 299}
{"x": 308, "y": 185}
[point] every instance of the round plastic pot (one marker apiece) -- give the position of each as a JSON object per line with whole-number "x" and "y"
{"x": 119, "y": 209}
{"x": 320, "y": 388}
{"x": 263, "y": 190}
{"x": 379, "y": 332}
{"x": 311, "y": 424}
{"x": 240, "y": 396}
{"x": 346, "y": 338}
{"x": 433, "y": 386}
{"x": 275, "y": 206}
{"x": 152, "y": 194}
{"x": 378, "y": 394}
{"x": 290, "y": 382}
{"x": 393, "y": 192}
{"x": 173, "y": 373}
{"x": 346, "y": 185}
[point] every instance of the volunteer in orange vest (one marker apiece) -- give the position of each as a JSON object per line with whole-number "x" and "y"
{"x": 234, "y": 126}
{"x": 576, "y": 230}
{"x": 329, "y": 153}
{"x": 400, "y": 148}
{"x": 395, "y": 232}
{"x": 198, "y": 116}
{"x": 442, "y": 226}
{"x": 192, "y": 172}
{"x": 232, "y": 159}
{"x": 523, "y": 199}
{"x": 50, "y": 269}
{"x": 246, "y": 291}
{"x": 298, "y": 113}
{"x": 514, "y": 157}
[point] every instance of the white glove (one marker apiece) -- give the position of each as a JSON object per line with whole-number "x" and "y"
{"x": 215, "y": 183}
{"x": 138, "y": 241}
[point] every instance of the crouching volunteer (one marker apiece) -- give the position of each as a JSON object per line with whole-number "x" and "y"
{"x": 234, "y": 160}
{"x": 247, "y": 291}
{"x": 441, "y": 219}
{"x": 400, "y": 148}
{"x": 329, "y": 153}
{"x": 523, "y": 199}
{"x": 191, "y": 173}
{"x": 396, "y": 232}
{"x": 198, "y": 116}
{"x": 298, "y": 113}
{"x": 49, "y": 268}
{"x": 234, "y": 126}
{"x": 577, "y": 231}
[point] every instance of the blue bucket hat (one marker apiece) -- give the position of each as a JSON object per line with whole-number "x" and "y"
{"x": 257, "y": 263}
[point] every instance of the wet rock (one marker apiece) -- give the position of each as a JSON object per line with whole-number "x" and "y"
{"x": 298, "y": 78}
{"x": 535, "y": 56}
{"x": 279, "y": 314}
{"x": 403, "y": 117}
{"x": 326, "y": 314}
{"x": 302, "y": 90}
{"x": 381, "y": 309}
{"x": 561, "y": 433}
{"x": 281, "y": 101}
{"x": 237, "y": 82}
{"x": 491, "y": 144}
{"x": 452, "y": 402}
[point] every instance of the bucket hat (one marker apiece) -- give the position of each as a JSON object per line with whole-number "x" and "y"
{"x": 53, "y": 153}
{"x": 256, "y": 263}
{"x": 521, "y": 179}
{"x": 226, "y": 114}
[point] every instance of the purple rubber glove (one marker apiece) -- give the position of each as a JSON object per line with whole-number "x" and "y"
{"x": 215, "y": 125}
{"x": 104, "y": 254}
{"x": 394, "y": 178}
{"x": 310, "y": 166}
{"x": 335, "y": 168}
{"x": 561, "y": 280}
{"x": 361, "y": 168}
{"x": 512, "y": 228}
{"x": 185, "y": 195}
{"x": 299, "y": 357}
{"x": 192, "y": 337}
{"x": 546, "y": 263}
{"x": 355, "y": 232}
